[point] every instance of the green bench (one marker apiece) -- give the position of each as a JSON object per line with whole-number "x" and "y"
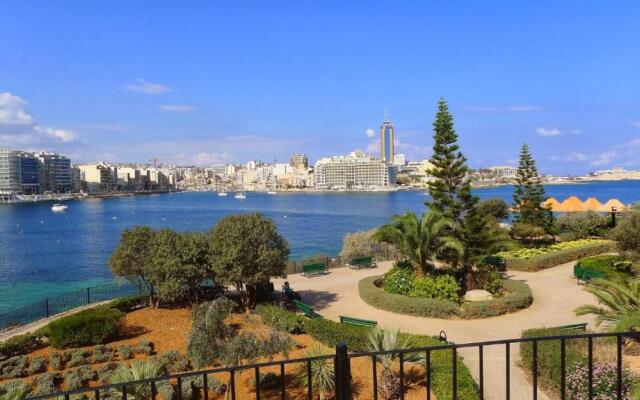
{"x": 357, "y": 321}
{"x": 362, "y": 262}
{"x": 314, "y": 269}
{"x": 585, "y": 275}
{"x": 573, "y": 327}
{"x": 306, "y": 309}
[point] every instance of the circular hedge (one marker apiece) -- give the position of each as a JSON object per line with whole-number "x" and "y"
{"x": 518, "y": 296}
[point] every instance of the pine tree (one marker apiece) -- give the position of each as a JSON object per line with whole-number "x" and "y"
{"x": 451, "y": 189}
{"x": 529, "y": 194}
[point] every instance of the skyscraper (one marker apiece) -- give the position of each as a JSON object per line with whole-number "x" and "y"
{"x": 386, "y": 140}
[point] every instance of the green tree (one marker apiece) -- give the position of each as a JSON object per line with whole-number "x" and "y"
{"x": 421, "y": 240}
{"x": 208, "y": 331}
{"x": 619, "y": 305}
{"x": 451, "y": 189}
{"x": 483, "y": 236}
{"x": 246, "y": 251}
{"x": 627, "y": 233}
{"x": 131, "y": 258}
{"x": 529, "y": 194}
{"x": 496, "y": 208}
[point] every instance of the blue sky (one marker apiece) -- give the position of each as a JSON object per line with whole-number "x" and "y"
{"x": 207, "y": 82}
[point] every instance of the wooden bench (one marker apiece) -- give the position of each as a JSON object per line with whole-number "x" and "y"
{"x": 314, "y": 269}
{"x": 573, "y": 327}
{"x": 362, "y": 262}
{"x": 585, "y": 275}
{"x": 357, "y": 321}
{"x": 306, "y": 309}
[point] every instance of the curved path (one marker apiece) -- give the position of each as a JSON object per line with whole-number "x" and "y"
{"x": 556, "y": 294}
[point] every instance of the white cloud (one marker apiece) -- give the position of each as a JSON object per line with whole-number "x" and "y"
{"x": 511, "y": 108}
{"x": 370, "y": 132}
{"x": 176, "y": 107}
{"x": 575, "y": 156}
{"x": 548, "y": 132}
{"x": 142, "y": 86}
{"x": 605, "y": 158}
{"x": 635, "y": 124}
{"x": 19, "y": 127}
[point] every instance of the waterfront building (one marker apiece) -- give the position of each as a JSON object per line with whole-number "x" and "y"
{"x": 299, "y": 161}
{"x": 399, "y": 160}
{"x": 387, "y": 133}
{"x": 57, "y": 176}
{"x": 20, "y": 172}
{"x": 355, "y": 170}
{"x": 96, "y": 177}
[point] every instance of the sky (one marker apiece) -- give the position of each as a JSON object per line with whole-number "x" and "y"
{"x": 209, "y": 82}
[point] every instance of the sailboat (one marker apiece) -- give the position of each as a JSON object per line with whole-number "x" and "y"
{"x": 240, "y": 196}
{"x": 222, "y": 194}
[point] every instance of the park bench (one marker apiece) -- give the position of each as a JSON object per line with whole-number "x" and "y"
{"x": 314, "y": 269}
{"x": 306, "y": 309}
{"x": 362, "y": 262}
{"x": 585, "y": 275}
{"x": 357, "y": 321}
{"x": 573, "y": 327}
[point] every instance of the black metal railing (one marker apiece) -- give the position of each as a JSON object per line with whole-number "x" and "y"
{"x": 343, "y": 371}
{"x": 50, "y": 306}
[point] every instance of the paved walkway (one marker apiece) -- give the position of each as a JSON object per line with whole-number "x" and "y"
{"x": 555, "y": 293}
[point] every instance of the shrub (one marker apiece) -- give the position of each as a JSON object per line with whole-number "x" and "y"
{"x": 72, "y": 380}
{"x": 102, "y": 353}
{"x": 322, "y": 374}
{"x": 105, "y": 371}
{"x": 539, "y": 259}
{"x": 208, "y": 330}
{"x": 267, "y": 381}
{"x": 89, "y": 327}
{"x": 399, "y": 279}
{"x": 37, "y": 365}
{"x": 46, "y": 383}
{"x": 143, "y": 347}
{"x": 280, "y": 319}
{"x": 361, "y": 244}
{"x": 379, "y": 298}
{"x": 125, "y": 351}
{"x": 331, "y": 333}
{"x": 611, "y": 266}
{"x": 495, "y": 207}
{"x": 21, "y": 344}
{"x": 15, "y": 389}
{"x": 627, "y": 233}
{"x": 529, "y": 234}
{"x": 175, "y": 361}
{"x": 581, "y": 225}
{"x": 56, "y": 361}
{"x": 14, "y": 367}
{"x": 518, "y": 296}
{"x": 605, "y": 382}
{"x": 443, "y": 287}
{"x": 131, "y": 303}
{"x": 78, "y": 357}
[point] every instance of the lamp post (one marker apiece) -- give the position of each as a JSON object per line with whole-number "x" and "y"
{"x": 613, "y": 216}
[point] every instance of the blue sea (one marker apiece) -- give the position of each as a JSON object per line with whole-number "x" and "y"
{"x": 43, "y": 253}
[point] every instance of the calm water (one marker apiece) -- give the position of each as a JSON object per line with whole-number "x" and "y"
{"x": 44, "y": 253}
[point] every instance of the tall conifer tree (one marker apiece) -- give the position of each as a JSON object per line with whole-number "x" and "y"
{"x": 451, "y": 188}
{"x": 529, "y": 194}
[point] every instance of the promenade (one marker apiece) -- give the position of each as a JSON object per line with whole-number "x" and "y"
{"x": 555, "y": 294}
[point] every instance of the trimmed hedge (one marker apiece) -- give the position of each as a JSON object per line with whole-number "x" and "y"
{"x": 331, "y": 333}
{"x": 518, "y": 297}
{"x": 94, "y": 326}
{"x": 377, "y": 297}
{"x": 559, "y": 257}
{"x": 280, "y": 319}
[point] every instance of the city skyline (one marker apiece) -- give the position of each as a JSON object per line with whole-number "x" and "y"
{"x": 205, "y": 93}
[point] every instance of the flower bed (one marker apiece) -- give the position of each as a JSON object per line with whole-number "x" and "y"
{"x": 545, "y": 257}
{"x": 517, "y": 296}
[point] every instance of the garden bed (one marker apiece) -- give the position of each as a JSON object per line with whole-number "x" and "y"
{"x": 612, "y": 266}
{"x": 537, "y": 259}
{"x": 517, "y": 296}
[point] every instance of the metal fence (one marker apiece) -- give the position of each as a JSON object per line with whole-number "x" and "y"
{"x": 55, "y": 305}
{"x": 341, "y": 360}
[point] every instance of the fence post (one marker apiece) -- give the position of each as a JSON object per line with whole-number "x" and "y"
{"x": 342, "y": 372}
{"x": 88, "y": 296}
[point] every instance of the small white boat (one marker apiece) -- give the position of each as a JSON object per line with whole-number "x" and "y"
{"x": 59, "y": 207}
{"x": 240, "y": 196}
{"x": 222, "y": 194}
{"x": 272, "y": 192}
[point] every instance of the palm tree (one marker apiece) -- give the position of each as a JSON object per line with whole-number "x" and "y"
{"x": 619, "y": 305}
{"x": 322, "y": 373}
{"x": 381, "y": 340}
{"x": 138, "y": 370}
{"x": 420, "y": 240}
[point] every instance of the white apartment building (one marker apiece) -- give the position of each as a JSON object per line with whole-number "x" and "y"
{"x": 504, "y": 171}
{"x": 400, "y": 160}
{"x": 353, "y": 170}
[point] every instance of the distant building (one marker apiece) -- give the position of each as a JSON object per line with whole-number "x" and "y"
{"x": 400, "y": 160}
{"x": 20, "y": 172}
{"x": 299, "y": 161}
{"x": 353, "y": 170}
{"x": 57, "y": 176}
{"x": 386, "y": 140}
{"x": 96, "y": 177}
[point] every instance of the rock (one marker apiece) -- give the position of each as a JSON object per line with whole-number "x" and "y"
{"x": 477, "y": 295}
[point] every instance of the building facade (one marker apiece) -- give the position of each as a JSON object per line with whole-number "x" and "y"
{"x": 387, "y": 133}
{"x": 355, "y": 170}
{"x": 299, "y": 161}
{"x": 20, "y": 172}
{"x": 57, "y": 175}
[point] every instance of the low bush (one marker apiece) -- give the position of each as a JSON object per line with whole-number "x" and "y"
{"x": 379, "y": 298}
{"x": 331, "y": 333}
{"x": 89, "y": 327}
{"x": 517, "y": 295}
{"x": 534, "y": 260}
{"x": 280, "y": 319}
{"x": 14, "y": 367}
{"x": 37, "y": 365}
{"x": 443, "y": 287}
{"x": 46, "y": 383}
{"x": 267, "y": 381}
{"x": 399, "y": 279}
{"x": 78, "y": 357}
{"x": 143, "y": 347}
{"x": 611, "y": 266}
{"x": 21, "y": 344}
{"x": 581, "y": 225}
{"x": 175, "y": 361}
{"x": 15, "y": 389}
{"x": 105, "y": 372}
{"x": 102, "y": 353}
{"x": 56, "y": 361}
{"x": 605, "y": 382}
{"x": 125, "y": 351}
{"x": 131, "y": 303}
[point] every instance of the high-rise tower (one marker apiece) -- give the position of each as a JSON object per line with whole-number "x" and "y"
{"x": 386, "y": 140}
